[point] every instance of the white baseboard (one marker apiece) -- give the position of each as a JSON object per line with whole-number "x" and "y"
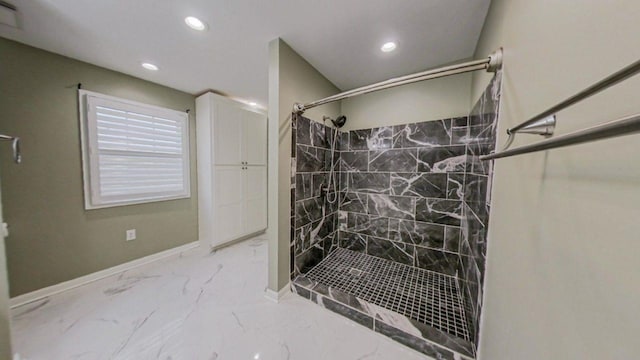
{"x": 86, "y": 279}
{"x": 235, "y": 241}
{"x": 276, "y": 296}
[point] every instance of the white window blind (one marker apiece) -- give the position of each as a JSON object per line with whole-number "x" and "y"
{"x": 132, "y": 153}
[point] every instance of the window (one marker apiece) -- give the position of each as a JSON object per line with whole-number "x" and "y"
{"x": 132, "y": 153}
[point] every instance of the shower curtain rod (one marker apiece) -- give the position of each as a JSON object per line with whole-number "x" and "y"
{"x": 492, "y": 63}
{"x": 621, "y": 127}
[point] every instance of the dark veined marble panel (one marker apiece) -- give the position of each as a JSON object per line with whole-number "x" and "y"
{"x": 419, "y": 185}
{"x": 419, "y": 233}
{"x": 400, "y": 207}
{"x": 437, "y": 260}
{"x": 315, "y": 218}
{"x": 370, "y": 182}
{"x": 391, "y": 250}
{"x": 354, "y": 161}
{"x": 368, "y": 225}
{"x": 413, "y": 342}
{"x": 402, "y": 160}
{"x": 353, "y": 241}
{"x": 455, "y": 186}
{"x": 303, "y": 187}
{"x": 439, "y": 211}
{"x": 371, "y": 139}
{"x": 424, "y": 134}
{"x": 354, "y": 202}
{"x": 445, "y": 159}
{"x": 310, "y": 159}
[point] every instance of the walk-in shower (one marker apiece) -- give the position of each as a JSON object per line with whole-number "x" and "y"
{"x": 402, "y": 249}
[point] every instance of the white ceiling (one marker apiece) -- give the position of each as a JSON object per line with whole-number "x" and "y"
{"x": 341, "y": 38}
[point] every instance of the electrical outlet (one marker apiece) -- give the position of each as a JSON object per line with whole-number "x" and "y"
{"x": 131, "y": 234}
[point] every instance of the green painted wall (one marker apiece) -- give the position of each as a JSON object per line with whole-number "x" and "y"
{"x": 291, "y": 79}
{"x": 52, "y": 238}
{"x": 563, "y": 273}
{"x": 423, "y": 101}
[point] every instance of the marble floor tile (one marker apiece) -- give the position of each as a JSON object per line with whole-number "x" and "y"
{"x": 195, "y": 306}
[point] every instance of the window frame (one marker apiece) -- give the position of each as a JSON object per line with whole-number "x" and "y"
{"x": 90, "y": 166}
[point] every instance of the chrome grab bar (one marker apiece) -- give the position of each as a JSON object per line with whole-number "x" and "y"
{"x": 15, "y": 144}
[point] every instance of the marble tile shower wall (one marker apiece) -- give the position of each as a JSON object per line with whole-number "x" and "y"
{"x": 402, "y": 195}
{"x": 313, "y": 216}
{"x": 418, "y": 194}
{"x": 483, "y": 121}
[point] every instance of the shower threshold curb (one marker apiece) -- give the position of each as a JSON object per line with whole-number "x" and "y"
{"x": 420, "y": 337}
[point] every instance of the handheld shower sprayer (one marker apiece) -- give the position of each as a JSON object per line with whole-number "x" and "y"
{"x": 337, "y": 123}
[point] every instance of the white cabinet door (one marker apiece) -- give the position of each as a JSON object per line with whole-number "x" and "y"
{"x": 228, "y": 133}
{"x": 255, "y": 198}
{"x": 229, "y": 203}
{"x": 232, "y": 178}
{"x": 255, "y": 138}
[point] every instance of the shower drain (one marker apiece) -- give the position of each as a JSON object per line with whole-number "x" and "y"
{"x": 355, "y": 272}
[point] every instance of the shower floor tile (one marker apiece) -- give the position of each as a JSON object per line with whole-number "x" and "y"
{"x": 425, "y": 296}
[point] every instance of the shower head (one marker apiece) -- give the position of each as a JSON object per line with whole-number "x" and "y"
{"x": 339, "y": 121}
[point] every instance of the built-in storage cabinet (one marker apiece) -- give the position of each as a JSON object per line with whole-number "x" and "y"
{"x": 241, "y": 198}
{"x": 228, "y": 133}
{"x": 232, "y": 171}
{"x": 255, "y": 198}
{"x": 229, "y": 209}
{"x": 255, "y": 139}
{"x": 241, "y": 136}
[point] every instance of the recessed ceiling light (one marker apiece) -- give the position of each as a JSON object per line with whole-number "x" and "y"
{"x": 150, "y": 66}
{"x": 388, "y": 47}
{"x": 254, "y": 104}
{"x": 195, "y": 23}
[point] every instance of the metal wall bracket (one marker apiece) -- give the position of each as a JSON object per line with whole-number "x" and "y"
{"x": 544, "y": 127}
{"x": 15, "y": 144}
{"x": 495, "y": 61}
{"x": 298, "y": 108}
